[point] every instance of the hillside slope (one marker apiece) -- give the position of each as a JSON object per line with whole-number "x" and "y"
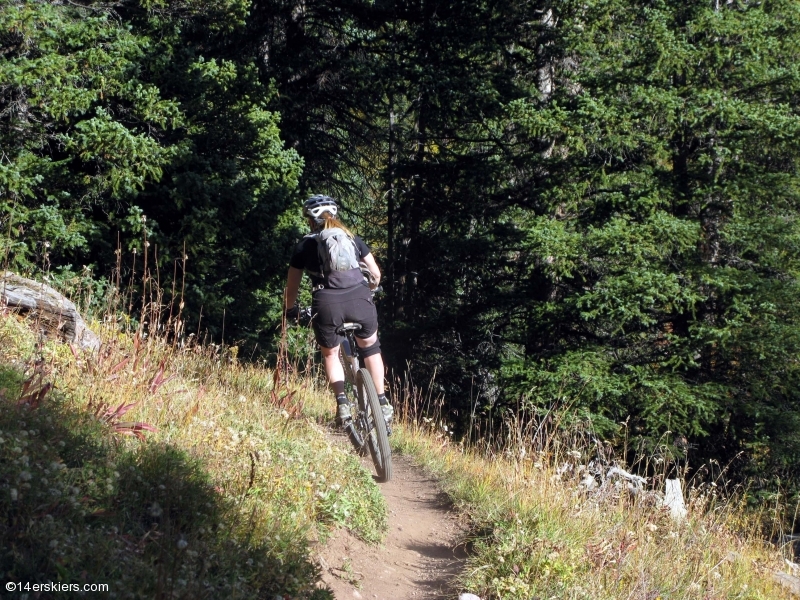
{"x": 183, "y": 473}
{"x": 219, "y": 498}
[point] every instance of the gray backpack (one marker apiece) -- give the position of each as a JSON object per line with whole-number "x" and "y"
{"x": 338, "y": 257}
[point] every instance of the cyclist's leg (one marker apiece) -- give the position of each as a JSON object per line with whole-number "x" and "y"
{"x": 327, "y": 318}
{"x": 333, "y": 366}
{"x": 373, "y": 363}
{"x": 362, "y": 311}
{"x": 335, "y": 373}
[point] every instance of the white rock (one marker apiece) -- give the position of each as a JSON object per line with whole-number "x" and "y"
{"x": 673, "y": 498}
{"x": 468, "y": 597}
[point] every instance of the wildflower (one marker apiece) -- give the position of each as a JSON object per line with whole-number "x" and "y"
{"x": 156, "y": 510}
{"x": 14, "y": 494}
{"x": 182, "y": 544}
{"x": 25, "y": 476}
{"x": 53, "y": 544}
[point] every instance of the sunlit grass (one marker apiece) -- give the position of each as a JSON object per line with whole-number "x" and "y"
{"x": 275, "y": 481}
{"x": 257, "y": 441}
{"x": 537, "y": 532}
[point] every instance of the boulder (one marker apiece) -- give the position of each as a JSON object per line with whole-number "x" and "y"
{"x": 789, "y": 582}
{"x": 56, "y": 316}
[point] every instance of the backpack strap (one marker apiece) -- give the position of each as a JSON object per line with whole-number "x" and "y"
{"x": 319, "y": 273}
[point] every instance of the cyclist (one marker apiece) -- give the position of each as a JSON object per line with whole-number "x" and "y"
{"x": 345, "y": 298}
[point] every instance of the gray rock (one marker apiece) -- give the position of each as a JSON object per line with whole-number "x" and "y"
{"x": 789, "y": 582}
{"x": 55, "y": 315}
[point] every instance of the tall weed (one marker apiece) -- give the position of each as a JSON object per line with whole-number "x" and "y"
{"x": 218, "y": 490}
{"x": 549, "y": 520}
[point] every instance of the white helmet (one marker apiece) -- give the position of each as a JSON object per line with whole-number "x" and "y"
{"x": 316, "y": 205}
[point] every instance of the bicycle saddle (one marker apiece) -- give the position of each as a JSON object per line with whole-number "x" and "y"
{"x": 345, "y": 327}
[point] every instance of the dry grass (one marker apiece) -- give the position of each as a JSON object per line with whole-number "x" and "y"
{"x": 538, "y": 532}
{"x": 278, "y": 483}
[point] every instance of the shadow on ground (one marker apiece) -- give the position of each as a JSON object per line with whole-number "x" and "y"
{"x": 79, "y": 505}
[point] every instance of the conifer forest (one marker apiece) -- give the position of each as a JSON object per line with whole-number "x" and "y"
{"x": 589, "y": 208}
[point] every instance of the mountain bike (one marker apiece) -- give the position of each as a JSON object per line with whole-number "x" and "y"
{"x": 367, "y": 429}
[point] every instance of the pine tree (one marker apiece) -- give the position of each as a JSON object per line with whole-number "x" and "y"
{"x": 661, "y": 238}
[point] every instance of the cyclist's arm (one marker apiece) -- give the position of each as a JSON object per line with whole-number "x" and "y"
{"x": 369, "y": 260}
{"x": 292, "y": 287}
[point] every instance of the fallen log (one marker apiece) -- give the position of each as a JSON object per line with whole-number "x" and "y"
{"x": 55, "y": 316}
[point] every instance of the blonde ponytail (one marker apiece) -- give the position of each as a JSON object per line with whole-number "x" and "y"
{"x": 331, "y": 222}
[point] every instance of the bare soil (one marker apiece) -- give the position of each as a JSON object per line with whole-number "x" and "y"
{"x": 421, "y": 555}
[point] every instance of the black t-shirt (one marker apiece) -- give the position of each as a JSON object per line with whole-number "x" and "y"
{"x": 306, "y": 257}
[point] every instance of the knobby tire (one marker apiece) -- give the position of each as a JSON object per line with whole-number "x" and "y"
{"x": 376, "y": 434}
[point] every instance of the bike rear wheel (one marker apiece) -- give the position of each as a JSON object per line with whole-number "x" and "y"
{"x": 376, "y": 435}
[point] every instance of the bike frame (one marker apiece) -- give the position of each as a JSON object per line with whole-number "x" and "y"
{"x": 349, "y": 349}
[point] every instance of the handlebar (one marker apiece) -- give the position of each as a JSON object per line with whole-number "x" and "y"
{"x": 304, "y": 316}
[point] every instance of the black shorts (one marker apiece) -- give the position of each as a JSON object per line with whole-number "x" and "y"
{"x": 331, "y": 308}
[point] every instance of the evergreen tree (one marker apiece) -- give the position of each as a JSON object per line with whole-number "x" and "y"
{"x": 585, "y": 203}
{"x": 147, "y": 120}
{"x": 661, "y": 238}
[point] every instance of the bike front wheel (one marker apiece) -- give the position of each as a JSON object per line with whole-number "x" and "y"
{"x": 377, "y": 437}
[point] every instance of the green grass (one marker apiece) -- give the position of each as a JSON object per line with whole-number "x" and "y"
{"x": 222, "y": 500}
{"x": 225, "y": 498}
{"x": 535, "y": 533}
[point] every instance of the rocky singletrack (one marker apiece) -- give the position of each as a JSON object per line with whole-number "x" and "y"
{"x": 421, "y": 555}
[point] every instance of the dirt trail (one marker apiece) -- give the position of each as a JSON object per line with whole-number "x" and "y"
{"x": 419, "y": 558}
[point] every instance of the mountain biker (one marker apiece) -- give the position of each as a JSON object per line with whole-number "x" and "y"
{"x": 346, "y": 298}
